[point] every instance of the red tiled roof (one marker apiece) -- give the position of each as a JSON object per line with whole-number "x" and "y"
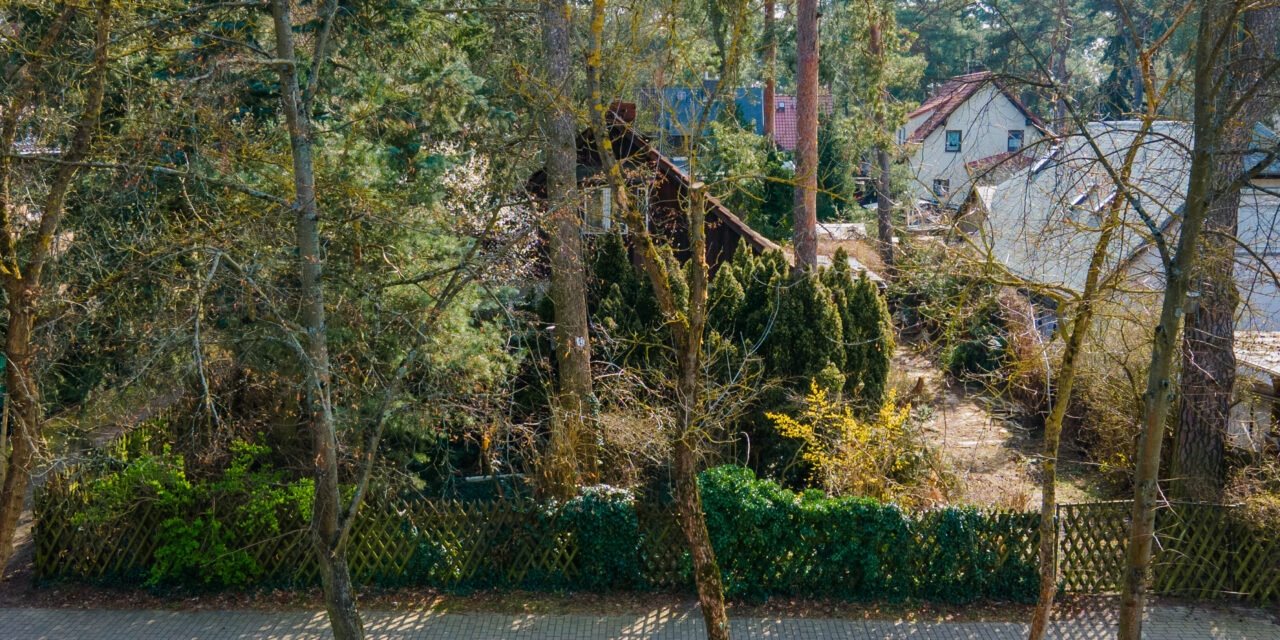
{"x": 954, "y": 93}
{"x": 784, "y": 118}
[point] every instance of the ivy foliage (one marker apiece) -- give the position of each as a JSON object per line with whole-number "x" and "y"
{"x": 206, "y": 525}
{"x": 770, "y": 541}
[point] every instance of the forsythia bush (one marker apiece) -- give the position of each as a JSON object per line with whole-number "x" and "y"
{"x": 871, "y": 458}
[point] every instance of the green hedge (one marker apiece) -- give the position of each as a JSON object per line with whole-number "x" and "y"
{"x": 774, "y": 542}
{"x": 145, "y": 522}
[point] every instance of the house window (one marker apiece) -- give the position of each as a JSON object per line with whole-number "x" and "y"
{"x": 597, "y": 210}
{"x": 1015, "y": 140}
{"x": 953, "y": 140}
{"x": 941, "y": 187}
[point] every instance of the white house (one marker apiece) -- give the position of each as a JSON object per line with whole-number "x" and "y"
{"x": 1043, "y": 223}
{"x": 970, "y": 125}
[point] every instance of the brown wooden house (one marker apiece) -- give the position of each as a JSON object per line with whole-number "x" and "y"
{"x": 658, "y": 186}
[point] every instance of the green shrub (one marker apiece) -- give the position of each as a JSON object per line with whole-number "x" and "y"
{"x": 207, "y": 528}
{"x": 868, "y": 332}
{"x": 218, "y": 522}
{"x": 832, "y": 327}
{"x": 770, "y": 541}
{"x": 603, "y": 519}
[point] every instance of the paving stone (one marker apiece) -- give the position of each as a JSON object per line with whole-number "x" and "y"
{"x": 1163, "y": 623}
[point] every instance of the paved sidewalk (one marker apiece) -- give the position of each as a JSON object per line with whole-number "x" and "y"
{"x": 1164, "y": 623}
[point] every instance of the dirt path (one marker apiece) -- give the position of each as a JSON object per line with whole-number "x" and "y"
{"x": 992, "y": 455}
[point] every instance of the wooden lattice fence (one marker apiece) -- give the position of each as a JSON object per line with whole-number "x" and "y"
{"x": 1202, "y": 551}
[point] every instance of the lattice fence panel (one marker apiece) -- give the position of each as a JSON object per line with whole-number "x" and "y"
{"x": 1257, "y": 568}
{"x": 1091, "y": 543}
{"x": 1195, "y": 555}
{"x": 1202, "y": 550}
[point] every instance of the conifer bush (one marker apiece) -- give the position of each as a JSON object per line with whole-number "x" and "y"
{"x": 830, "y": 327}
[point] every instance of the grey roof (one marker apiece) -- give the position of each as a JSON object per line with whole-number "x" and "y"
{"x": 1264, "y": 139}
{"x": 1042, "y": 223}
{"x": 1259, "y": 350}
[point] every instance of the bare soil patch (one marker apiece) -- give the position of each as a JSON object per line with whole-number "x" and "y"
{"x": 994, "y": 456}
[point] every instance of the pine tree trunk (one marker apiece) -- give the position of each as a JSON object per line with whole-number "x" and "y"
{"x": 327, "y": 542}
{"x": 1208, "y": 361}
{"x": 1208, "y": 356}
{"x": 770, "y": 70}
{"x": 1160, "y": 391}
{"x": 568, "y": 279}
{"x": 884, "y": 206}
{"x": 1061, "y": 49}
{"x": 805, "y": 234}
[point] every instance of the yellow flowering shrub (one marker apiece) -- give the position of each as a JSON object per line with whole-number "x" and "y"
{"x": 850, "y": 456}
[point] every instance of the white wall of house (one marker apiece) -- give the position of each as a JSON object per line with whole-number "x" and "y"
{"x": 984, "y": 122}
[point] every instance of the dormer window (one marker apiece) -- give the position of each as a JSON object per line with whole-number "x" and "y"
{"x": 953, "y": 141}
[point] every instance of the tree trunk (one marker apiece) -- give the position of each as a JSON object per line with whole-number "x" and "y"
{"x": 884, "y": 206}
{"x": 568, "y": 279}
{"x": 24, "y": 394}
{"x": 694, "y": 523}
{"x": 339, "y": 597}
{"x": 1061, "y": 49}
{"x": 686, "y": 326}
{"x": 23, "y": 285}
{"x": 1198, "y": 469}
{"x": 770, "y": 70}
{"x": 1160, "y": 393}
{"x": 1208, "y": 360}
{"x": 685, "y": 473}
{"x": 805, "y": 236}
{"x": 326, "y": 536}
{"x": 1080, "y": 325}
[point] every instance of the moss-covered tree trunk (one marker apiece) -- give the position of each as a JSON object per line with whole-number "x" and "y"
{"x": 1231, "y": 75}
{"x": 1161, "y": 387}
{"x": 1081, "y": 322}
{"x": 22, "y": 269}
{"x": 687, "y": 325}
